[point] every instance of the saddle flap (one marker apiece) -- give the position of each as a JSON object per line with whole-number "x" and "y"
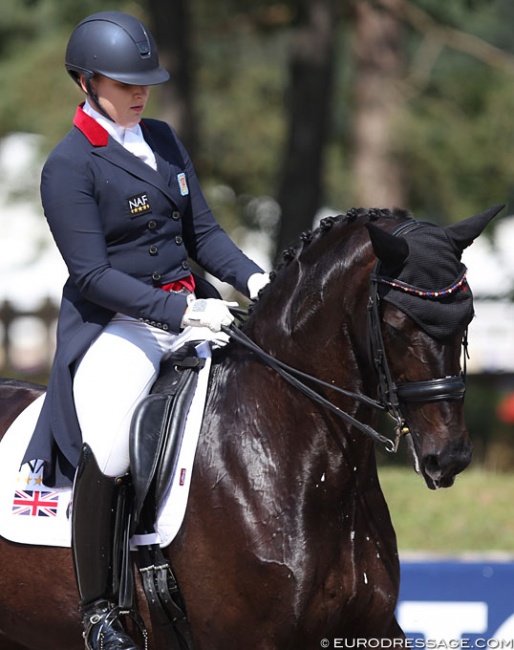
{"x": 167, "y": 461}
{"x": 156, "y": 434}
{"x": 146, "y": 437}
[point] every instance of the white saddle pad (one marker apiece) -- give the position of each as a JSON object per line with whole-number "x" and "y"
{"x": 31, "y": 513}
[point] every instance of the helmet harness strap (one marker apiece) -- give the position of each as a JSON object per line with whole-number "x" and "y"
{"x": 94, "y": 97}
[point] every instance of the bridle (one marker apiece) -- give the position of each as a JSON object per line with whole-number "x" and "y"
{"x": 390, "y": 394}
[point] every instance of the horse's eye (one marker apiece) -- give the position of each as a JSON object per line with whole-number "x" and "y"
{"x": 395, "y": 332}
{"x": 391, "y": 328}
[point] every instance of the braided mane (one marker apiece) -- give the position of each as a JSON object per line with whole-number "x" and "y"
{"x": 325, "y": 225}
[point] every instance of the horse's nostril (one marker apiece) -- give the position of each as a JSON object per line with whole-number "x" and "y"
{"x": 442, "y": 469}
{"x": 432, "y": 466}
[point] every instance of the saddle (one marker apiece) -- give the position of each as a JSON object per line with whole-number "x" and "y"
{"x": 156, "y": 436}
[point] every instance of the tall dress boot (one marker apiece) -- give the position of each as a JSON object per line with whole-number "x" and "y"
{"x": 93, "y": 541}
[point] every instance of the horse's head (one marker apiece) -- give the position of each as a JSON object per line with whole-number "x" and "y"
{"x": 413, "y": 302}
{"x": 418, "y": 331}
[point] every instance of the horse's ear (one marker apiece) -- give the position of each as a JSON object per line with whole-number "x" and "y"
{"x": 392, "y": 251}
{"x": 465, "y": 232}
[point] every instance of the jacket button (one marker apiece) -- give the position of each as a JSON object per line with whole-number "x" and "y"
{"x": 152, "y": 225}
{"x": 153, "y": 250}
{"x": 175, "y": 215}
{"x": 178, "y": 240}
{"x": 185, "y": 265}
{"x": 156, "y": 276}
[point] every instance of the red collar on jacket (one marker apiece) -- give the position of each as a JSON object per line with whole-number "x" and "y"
{"x": 95, "y": 133}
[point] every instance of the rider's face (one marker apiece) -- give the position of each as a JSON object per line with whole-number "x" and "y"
{"x": 124, "y": 103}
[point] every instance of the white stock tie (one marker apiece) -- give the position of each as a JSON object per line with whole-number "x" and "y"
{"x": 138, "y": 146}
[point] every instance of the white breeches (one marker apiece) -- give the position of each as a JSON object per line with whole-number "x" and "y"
{"x": 113, "y": 376}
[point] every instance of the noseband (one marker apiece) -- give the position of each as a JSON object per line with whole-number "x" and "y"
{"x": 392, "y": 395}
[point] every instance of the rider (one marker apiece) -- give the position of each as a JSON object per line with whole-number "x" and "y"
{"x": 126, "y": 211}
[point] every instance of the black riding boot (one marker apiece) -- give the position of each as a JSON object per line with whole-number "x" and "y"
{"x": 95, "y": 556}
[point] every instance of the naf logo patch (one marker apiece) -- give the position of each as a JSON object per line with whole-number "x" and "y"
{"x": 139, "y": 204}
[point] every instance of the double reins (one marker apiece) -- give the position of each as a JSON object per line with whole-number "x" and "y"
{"x": 297, "y": 378}
{"x": 390, "y": 394}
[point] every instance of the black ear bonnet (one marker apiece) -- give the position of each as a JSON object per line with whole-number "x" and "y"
{"x": 420, "y": 272}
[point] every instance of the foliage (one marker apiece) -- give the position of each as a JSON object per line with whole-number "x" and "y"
{"x": 453, "y": 134}
{"x": 240, "y": 104}
{"x": 39, "y": 96}
{"x": 459, "y": 149}
{"x": 450, "y": 12}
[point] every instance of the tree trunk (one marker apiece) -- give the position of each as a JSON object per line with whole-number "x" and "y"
{"x": 379, "y": 63}
{"x": 309, "y": 102}
{"x": 171, "y": 27}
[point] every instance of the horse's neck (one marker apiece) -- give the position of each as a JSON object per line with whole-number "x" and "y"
{"x": 272, "y": 429}
{"x": 313, "y": 317}
{"x": 320, "y": 330}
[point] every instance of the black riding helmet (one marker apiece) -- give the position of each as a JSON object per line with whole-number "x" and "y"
{"x": 115, "y": 45}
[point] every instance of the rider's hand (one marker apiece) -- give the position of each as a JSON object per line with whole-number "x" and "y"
{"x": 208, "y": 312}
{"x": 255, "y": 283}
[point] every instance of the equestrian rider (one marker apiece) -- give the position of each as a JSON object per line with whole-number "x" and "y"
{"x": 127, "y": 213}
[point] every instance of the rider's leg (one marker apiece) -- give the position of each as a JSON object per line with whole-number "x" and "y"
{"x": 113, "y": 376}
{"x": 93, "y": 534}
{"x": 116, "y": 372}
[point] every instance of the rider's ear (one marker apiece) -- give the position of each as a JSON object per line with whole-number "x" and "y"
{"x": 392, "y": 251}
{"x": 463, "y": 233}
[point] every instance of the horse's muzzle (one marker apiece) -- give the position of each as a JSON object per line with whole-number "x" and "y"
{"x": 440, "y": 469}
{"x": 439, "y": 465}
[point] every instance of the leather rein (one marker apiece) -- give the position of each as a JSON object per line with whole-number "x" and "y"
{"x": 390, "y": 394}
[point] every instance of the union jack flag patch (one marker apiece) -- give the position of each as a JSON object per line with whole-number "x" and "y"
{"x": 35, "y": 503}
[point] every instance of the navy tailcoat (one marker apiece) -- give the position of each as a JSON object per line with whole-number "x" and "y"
{"x": 123, "y": 230}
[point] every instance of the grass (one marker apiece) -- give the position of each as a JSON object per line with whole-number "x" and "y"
{"x": 476, "y": 515}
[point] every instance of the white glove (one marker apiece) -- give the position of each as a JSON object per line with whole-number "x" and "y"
{"x": 255, "y": 283}
{"x": 208, "y": 312}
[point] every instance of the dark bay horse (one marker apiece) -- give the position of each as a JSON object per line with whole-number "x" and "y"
{"x": 287, "y": 539}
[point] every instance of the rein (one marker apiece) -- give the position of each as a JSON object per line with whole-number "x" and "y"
{"x": 390, "y": 393}
{"x": 295, "y": 377}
